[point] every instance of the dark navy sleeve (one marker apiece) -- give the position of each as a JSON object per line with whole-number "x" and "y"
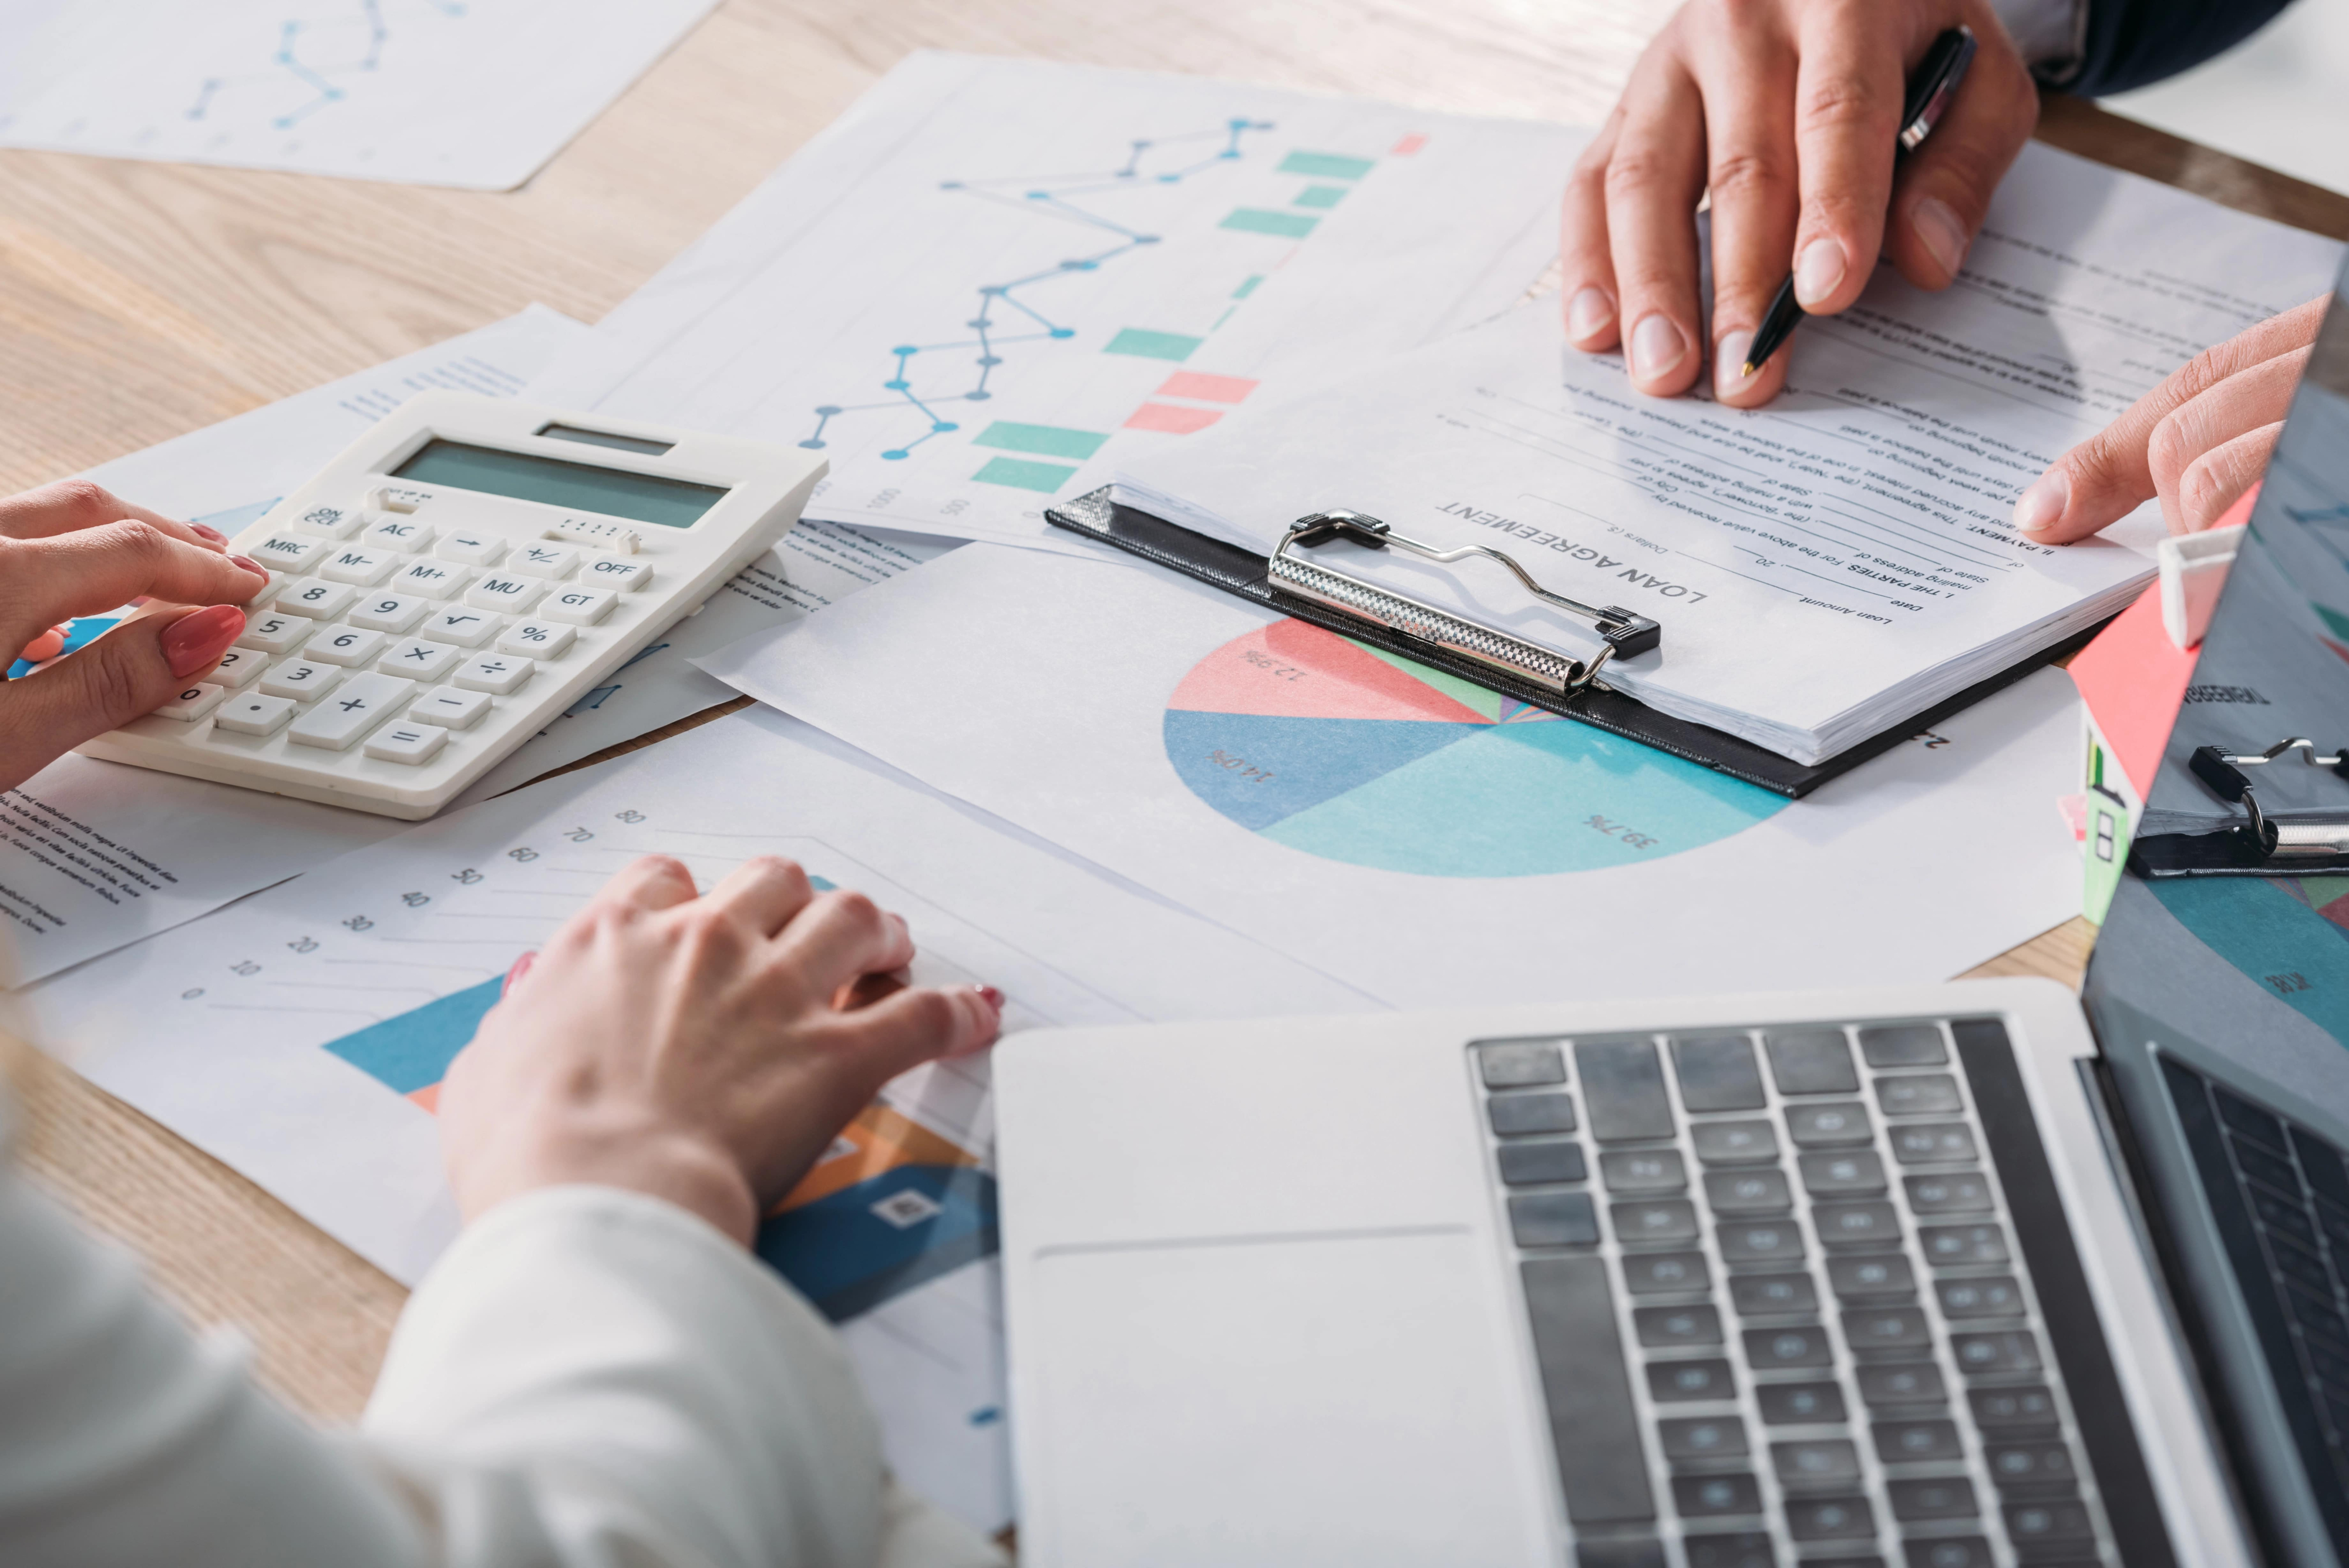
{"x": 2130, "y": 42}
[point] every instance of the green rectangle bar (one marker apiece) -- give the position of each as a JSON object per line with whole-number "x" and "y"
{"x": 1261, "y": 221}
{"x": 1047, "y": 441}
{"x": 1248, "y": 287}
{"x": 1327, "y": 165}
{"x": 1145, "y": 344}
{"x": 1320, "y": 196}
{"x": 1020, "y": 474}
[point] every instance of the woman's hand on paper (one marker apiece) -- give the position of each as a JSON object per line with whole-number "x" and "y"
{"x": 1788, "y": 112}
{"x": 2197, "y": 440}
{"x": 702, "y": 1049}
{"x": 72, "y": 549}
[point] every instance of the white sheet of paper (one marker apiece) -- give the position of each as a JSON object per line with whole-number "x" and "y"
{"x": 1823, "y": 566}
{"x": 300, "y": 1036}
{"x": 993, "y": 278}
{"x": 475, "y": 93}
{"x": 1421, "y": 838}
{"x": 94, "y": 855}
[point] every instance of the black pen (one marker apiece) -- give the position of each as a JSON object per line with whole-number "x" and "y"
{"x": 1930, "y": 91}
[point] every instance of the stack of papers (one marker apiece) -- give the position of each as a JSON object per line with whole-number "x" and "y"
{"x": 1824, "y": 567}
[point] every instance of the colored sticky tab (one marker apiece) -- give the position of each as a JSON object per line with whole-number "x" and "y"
{"x": 1327, "y": 165}
{"x": 1262, "y": 221}
{"x": 1172, "y": 419}
{"x": 1145, "y": 344}
{"x": 1019, "y": 475}
{"x": 1206, "y": 389}
{"x": 2134, "y": 679}
{"x": 1044, "y": 440}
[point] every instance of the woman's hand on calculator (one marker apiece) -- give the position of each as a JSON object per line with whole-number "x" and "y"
{"x": 72, "y": 549}
{"x": 702, "y": 1049}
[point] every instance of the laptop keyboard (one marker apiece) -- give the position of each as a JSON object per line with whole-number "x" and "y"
{"x": 2279, "y": 1194}
{"x": 1777, "y": 1304}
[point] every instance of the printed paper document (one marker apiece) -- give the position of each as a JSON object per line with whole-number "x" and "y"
{"x": 1822, "y": 568}
{"x": 438, "y": 92}
{"x": 1418, "y": 837}
{"x": 301, "y": 1036}
{"x": 992, "y": 279}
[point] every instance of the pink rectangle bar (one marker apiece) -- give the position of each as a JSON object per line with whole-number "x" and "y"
{"x": 1408, "y": 145}
{"x": 1206, "y": 389}
{"x": 1172, "y": 419}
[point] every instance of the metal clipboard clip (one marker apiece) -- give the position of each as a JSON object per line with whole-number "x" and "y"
{"x": 2274, "y": 840}
{"x": 1290, "y": 573}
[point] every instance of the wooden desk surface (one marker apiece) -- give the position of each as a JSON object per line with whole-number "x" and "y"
{"x": 138, "y": 301}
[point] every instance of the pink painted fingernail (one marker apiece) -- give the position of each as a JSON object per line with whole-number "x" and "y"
{"x": 199, "y": 637}
{"x": 2041, "y": 507}
{"x": 521, "y": 968}
{"x": 1658, "y": 346}
{"x": 1587, "y": 314}
{"x": 1818, "y": 270}
{"x": 1936, "y": 226}
{"x": 203, "y": 531}
{"x": 992, "y": 997}
{"x": 250, "y": 564}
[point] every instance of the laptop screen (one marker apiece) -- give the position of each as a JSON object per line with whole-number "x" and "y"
{"x": 2221, "y": 999}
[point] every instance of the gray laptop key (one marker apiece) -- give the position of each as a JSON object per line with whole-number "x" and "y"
{"x": 1518, "y": 1116}
{"x": 1674, "y": 1382}
{"x": 1760, "y": 1242}
{"x": 1916, "y": 1442}
{"x": 1961, "y": 1192}
{"x": 1817, "y": 1462}
{"x": 1951, "y": 1552}
{"x": 2026, "y": 1468}
{"x": 1546, "y": 1160}
{"x": 1981, "y": 1355}
{"x": 1710, "y": 1497}
{"x": 1900, "y": 1383}
{"x": 1919, "y": 1094}
{"x": 1799, "y": 1403}
{"x": 1934, "y": 1142}
{"x": 1947, "y": 1244}
{"x": 1860, "y": 1279}
{"x": 1655, "y": 1220}
{"x": 1903, "y": 1045}
{"x": 1669, "y": 1326}
{"x": 1658, "y": 1273}
{"x": 1737, "y": 1191}
{"x": 1845, "y": 1227}
{"x": 1703, "y": 1438}
{"x": 2036, "y": 1526}
{"x": 1602, "y": 1464}
{"x": 1635, "y": 1172}
{"x": 1942, "y": 1497}
{"x": 1858, "y": 1173}
{"x": 1812, "y": 1062}
{"x": 1830, "y": 1519}
{"x": 2009, "y": 1410}
{"x": 1745, "y": 1549}
{"x": 1764, "y": 1295}
{"x": 1520, "y": 1064}
{"x": 1887, "y": 1329}
{"x": 1620, "y": 1554}
{"x": 1623, "y": 1089}
{"x": 1734, "y": 1142}
{"x": 1840, "y": 1125}
{"x": 1718, "y": 1074}
{"x": 1782, "y": 1349}
{"x": 1553, "y": 1219}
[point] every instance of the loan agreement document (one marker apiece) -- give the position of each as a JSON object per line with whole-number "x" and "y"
{"x": 1822, "y": 568}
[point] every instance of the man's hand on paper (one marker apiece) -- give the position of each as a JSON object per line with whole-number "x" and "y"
{"x": 2197, "y": 440}
{"x": 1788, "y": 111}
{"x": 72, "y": 549}
{"x": 701, "y": 1049}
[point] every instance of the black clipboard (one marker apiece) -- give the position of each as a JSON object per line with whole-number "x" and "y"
{"x": 1097, "y": 515}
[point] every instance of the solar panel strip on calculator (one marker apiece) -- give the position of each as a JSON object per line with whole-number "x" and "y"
{"x": 1778, "y": 1304}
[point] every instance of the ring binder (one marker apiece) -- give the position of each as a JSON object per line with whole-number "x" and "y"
{"x": 1624, "y": 632}
{"x": 2260, "y": 846}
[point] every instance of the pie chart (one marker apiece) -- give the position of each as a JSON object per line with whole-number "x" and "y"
{"x": 1337, "y": 749}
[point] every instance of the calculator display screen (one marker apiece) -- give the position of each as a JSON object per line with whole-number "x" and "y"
{"x": 580, "y": 486}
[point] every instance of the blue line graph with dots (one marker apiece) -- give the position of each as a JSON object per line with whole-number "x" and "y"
{"x": 1056, "y": 198}
{"x": 313, "y": 51}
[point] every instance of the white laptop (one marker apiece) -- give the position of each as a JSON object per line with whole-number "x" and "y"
{"x": 1943, "y": 1277}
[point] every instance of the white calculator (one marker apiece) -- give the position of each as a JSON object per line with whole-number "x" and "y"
{"x": 459, "y": 576}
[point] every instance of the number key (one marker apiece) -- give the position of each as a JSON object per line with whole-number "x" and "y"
{"x": 344, "y": 645}
{"x": 301, "y": 680}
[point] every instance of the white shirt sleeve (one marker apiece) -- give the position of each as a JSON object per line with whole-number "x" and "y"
{"x": 2049, "y": 33}
{"x": 589, "y": 1376}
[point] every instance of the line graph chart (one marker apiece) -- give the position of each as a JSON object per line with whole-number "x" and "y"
{"x": 1051, "y": 198}
{"x": 456, "y": 92}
